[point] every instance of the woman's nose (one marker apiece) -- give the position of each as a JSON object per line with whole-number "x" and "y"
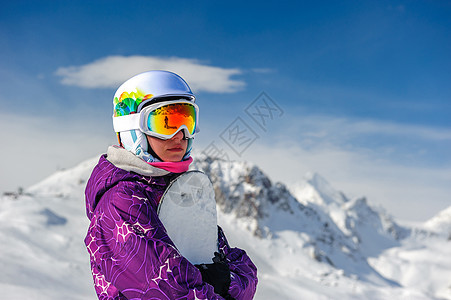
{"x": 178, "y": 136}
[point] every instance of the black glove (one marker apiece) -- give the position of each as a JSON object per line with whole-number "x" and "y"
{"x": 217, "y": 274}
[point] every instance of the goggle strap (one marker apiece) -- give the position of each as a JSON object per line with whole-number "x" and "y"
{"x": 125, "y": 123}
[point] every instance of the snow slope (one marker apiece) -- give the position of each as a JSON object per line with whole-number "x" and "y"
{"x": 42, "y": 254}
{"x": 311, "y": 243}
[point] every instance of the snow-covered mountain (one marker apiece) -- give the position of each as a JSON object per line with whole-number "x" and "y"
{"x": 308, "y": 241}
{"x": 441, "y": 223}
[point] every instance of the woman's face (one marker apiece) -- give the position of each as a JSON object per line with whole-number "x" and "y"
{"x": 169, "y": 150}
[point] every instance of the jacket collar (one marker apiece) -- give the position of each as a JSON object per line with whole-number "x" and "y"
{"x": 125, "y": 160}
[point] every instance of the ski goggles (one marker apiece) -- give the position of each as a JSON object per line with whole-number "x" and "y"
{"x": 162, "y": 120}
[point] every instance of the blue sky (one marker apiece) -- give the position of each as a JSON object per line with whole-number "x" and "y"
{"x": 363, "y": 86}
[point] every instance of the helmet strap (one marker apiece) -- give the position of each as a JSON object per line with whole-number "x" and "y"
{"x": 118, "y": 134}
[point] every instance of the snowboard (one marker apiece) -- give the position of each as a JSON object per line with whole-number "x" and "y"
{"x": 187, "y": 210}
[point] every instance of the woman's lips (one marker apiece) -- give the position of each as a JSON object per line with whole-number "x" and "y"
{"x": 175, "y": 149}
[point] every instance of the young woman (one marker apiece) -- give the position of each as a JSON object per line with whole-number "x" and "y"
{"x": 132, "y": 257}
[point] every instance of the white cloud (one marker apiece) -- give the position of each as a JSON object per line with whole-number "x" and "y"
{"x": 111, "y": 71}
{"x": 263, "y": 70}
{"x": 396, "y": 129}
{"x": 323, "y": 126}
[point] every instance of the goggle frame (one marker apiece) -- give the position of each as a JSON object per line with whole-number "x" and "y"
{"x": 139, "y": 120}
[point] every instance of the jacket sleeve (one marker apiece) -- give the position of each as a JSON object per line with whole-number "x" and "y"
{"x": 131, "y": 255}
{"x": 243, "y": 271}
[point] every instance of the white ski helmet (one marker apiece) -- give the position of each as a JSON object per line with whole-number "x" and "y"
{"x": 138, "y": 91}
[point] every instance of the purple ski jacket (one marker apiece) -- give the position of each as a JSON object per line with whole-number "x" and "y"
{"x": 131, "y": 255}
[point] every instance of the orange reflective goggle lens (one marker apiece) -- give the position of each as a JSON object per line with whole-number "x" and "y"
{"x": 166, "y": 120}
